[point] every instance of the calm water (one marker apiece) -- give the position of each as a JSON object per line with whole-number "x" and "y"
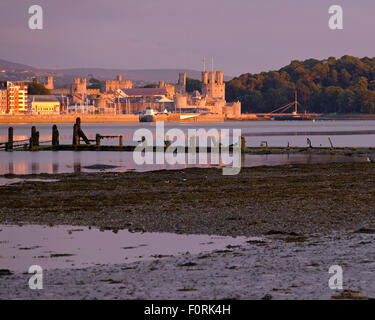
{"x": 275, "y": 133}
{"x": 23, "y": 162}
{"x": 77, "y": 247}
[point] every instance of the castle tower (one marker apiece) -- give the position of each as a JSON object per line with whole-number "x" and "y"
{"x": 205, "y": 77}
{"x": 79, "y": 86}
{"x": 182, "y": 79}
{"x": 220, "y": 77}
{"x": 49, "y": 84}
{"x": 181, "y": 84}
{"x": 212, "y": 88}
{"x": 212, "y": 76}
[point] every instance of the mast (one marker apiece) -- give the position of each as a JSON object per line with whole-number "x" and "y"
{"x": 295, "y": 102}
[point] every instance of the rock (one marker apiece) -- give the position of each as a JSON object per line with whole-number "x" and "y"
{"x": 365, "y": 230}
{"x": 5, "y": 272}
{"x": 350, "y": 295}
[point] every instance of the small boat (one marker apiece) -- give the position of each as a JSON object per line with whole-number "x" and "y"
{"x": 148, "y": 116}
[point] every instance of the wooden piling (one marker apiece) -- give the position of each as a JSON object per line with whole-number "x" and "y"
{"x": 75, "y": 135}
{"x": 309, "y": 143}
{"x": 243, "y": 143}
{"x": 32, "y": 140}
{"x": 37, "y": 138}
{"x": 9, "y": 145}
{"x": 167, "y": 143}
{"x": 330, "y": 142}
{"x": 121, "y": 141}
{"x": 80, "y": 132}
{"x": 55, "y": 136}
{"x": 97, "y": 138}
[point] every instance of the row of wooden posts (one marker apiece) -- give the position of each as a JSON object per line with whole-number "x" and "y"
{"x": 34, "y": 140}
{"x": 78, "y": 134}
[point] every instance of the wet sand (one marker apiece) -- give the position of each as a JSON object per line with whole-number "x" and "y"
{"x": 270, "y": 269}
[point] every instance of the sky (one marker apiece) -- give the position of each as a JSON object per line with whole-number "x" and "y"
{"x": 241, "y": 35}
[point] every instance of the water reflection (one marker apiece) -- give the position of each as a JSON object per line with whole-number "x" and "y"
{"x": 77, "y": 247}
{"x": 23, "y": 162}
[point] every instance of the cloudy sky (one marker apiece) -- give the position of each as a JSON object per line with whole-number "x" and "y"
{"x": 241, "y": 35}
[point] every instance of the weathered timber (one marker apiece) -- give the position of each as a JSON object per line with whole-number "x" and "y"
{"x": 9, "y": 144}
{"x": 55, "y": 136}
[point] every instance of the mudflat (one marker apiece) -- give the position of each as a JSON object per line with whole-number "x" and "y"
{"x": 293, "y": 201}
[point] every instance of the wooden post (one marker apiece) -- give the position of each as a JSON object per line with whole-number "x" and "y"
{"x": 309, "y": 143}
{"x": 33, "y": 138}
{"x": 9, "y": 145}
{"x": 167, "y": 142}
{"x": 97, "y": 140}
{"x": 330, "y": 142}
{"x": 80, "y": 132}
{"x": 55, "y": 136}
{"x": 121, "y": 140}
{"x": 243, "y": 143}
{"x": 75, "y": 135}
{"x": 37, "y": 138}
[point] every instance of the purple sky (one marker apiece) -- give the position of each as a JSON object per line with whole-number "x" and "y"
{"x": 241, "y": 35}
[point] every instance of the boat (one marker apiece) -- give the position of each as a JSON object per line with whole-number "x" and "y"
{"x": 148, "y": 116}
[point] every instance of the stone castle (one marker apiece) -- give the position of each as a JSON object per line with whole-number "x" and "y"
{"x": 119, "y": 94}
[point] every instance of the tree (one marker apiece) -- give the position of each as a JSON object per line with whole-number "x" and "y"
{"x": 151, "y": 85}
{"x": 193, "y": 84}
{"x": 36, "y": 88}
{"x": 94, "y": 84}
{"x": 332, "y": 85}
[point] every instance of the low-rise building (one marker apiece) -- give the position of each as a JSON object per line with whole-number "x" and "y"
{"x": 44, "y": 104}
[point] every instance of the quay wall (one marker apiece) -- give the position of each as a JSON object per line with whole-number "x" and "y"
{"x": 101, "y": 118}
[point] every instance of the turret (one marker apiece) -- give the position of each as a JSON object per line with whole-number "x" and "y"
{"x": 212, "y": 76}
{"x": 220, "y": 77}
{"x": 182, "y": 79}
{"x": 205, "y": 77}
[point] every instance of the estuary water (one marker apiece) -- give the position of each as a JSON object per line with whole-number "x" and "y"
{"x": 274, "y": 133}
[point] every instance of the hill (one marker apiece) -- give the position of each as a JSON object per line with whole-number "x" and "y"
{"x": 16, "y": 71}
{"x": 345, "y": 85}
{"x": 7, "y": 65}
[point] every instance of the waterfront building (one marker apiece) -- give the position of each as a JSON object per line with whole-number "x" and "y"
{"x": 3, "y": 98}
{"x": 17, "y": 97}
{"x": 44, "y": 105}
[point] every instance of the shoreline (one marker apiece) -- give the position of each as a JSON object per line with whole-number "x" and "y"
{"x": 129, "y": 118}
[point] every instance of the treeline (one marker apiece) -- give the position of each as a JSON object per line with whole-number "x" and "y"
{"x": 345, "y": 85}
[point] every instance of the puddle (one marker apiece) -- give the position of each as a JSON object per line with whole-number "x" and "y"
{"x": 77, "y": 247}
{"x": 6, "y": 182}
